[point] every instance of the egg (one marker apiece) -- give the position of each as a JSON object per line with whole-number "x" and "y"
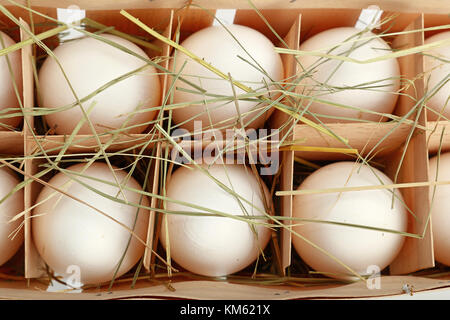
{"x": 8, "y": 96}
{"x": 210, "y": 245}
{"x": 368, "y": 87}
{"x": 216, "y": 46}
{"x": 91, "y": 65}
{"x": 11, "y": 237}
{"x": 357, "y": 248}
{"x": 440, "y": 216}
{"x": 69, "y": 234}
{"x": 437, "y": 70}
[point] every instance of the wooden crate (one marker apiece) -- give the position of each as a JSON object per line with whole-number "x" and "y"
{"x": 293, "y": 20}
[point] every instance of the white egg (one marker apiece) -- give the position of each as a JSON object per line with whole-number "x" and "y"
{"x": 90, "y": 65}
{"x": 437, "y": 71}
{"x": 10, "y": 239}
{"x": 440, "y": 215}
{"x": 217, "y": 47}
{"x": 368, "y": 86}
{"x": 214, "y": 246}
{"x": 357, "y": 248}
{"x": 8, "y": 96}
{"x": 69, "y": 233}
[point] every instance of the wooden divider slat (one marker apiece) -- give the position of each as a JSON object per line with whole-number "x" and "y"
{"x": 416, "y": 254}
{"x": 154, "y": 202}
{"x": 33, "y": 263}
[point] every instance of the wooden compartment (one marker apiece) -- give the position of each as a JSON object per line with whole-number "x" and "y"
{"x": 12, "y": 140}
{"x": 437, "y": 128}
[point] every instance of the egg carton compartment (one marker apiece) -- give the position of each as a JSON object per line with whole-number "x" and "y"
{"x": 416, "y": 254}
{"x": 288, "y": 19}
{"x": 298, "y": 267}
{"x": 406, "y": 164}
{"x": 367, "y": 137}
{"x": 11, "y": 64}
{"x": 34, "y": 129}
{"x": 40, "y": 169}
{"x": 373, "y": 135}
{"x": 437, "y": 125}
{"x": 437, "y": 133}
{"x": 12, "y": 138}
{"x": 43, "y": 22}
{"x": 223, "y": 120}
{"x": 12, "y": 230}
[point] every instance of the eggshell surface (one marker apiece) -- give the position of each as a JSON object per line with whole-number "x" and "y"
{"x": 359, "y": 87}
{"x": 70, "y": 233}
{"x": 8, "y": 96}
{"x": 10, "y": 240}
{"x": 357, "y": 248}
{"x": 440, "y": 214}
{"x": 214, "y": 246}
{"x": 437, "y": 71}
{"x": 217, "y": 47}
{"x": 94, "y": 69}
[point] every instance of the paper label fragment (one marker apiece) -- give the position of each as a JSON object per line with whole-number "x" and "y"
{"x": 226, "y": 16}
{"x": 369, "y": 18}
{"x": 71, "y": 15}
